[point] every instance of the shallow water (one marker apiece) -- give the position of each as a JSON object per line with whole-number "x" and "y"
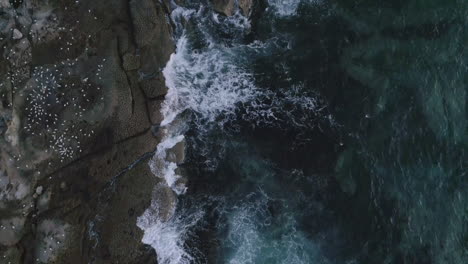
{"x": 318, "y": 132}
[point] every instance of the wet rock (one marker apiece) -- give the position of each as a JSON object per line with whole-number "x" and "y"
{"x": 226, "y": 7}
{"x": 162, "y": 207}
{"x": 246, "y": 7}
{"x": 154, "y": 109}
{"x": 177, "y": 153}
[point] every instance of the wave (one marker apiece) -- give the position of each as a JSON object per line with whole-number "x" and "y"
{"x": 209, "y": 85}
{"x": 257, "y": 234}
{"x": 206, "y": 85}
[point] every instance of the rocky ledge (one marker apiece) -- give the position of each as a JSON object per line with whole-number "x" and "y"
{"x": 80, "y": 90}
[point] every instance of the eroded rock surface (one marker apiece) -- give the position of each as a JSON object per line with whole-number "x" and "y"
{"x": 80, "y": 91}
{"x": 229, "y": 7}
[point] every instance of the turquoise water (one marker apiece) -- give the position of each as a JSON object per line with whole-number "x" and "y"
{"x": 323, "y": 132}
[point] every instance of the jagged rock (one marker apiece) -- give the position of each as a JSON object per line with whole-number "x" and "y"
{"x": 228, "y": 7}
{"x": 225, "y": 7}
{"x": 246, "y": 6}
{"x": 153, "y": 35}
{"x": 177, "y": 153}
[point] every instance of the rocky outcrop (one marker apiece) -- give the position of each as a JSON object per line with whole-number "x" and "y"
{"x": 228, "y": 7}
{"x": 246, "y": 6}
{"x": 225, "y": 7}
{"x": 80, "y": 92}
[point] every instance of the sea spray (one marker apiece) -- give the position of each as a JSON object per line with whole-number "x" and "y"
{"x": 207, "y": 86}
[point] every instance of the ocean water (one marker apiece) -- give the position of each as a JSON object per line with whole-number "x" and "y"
{"x": 316, "y": 132}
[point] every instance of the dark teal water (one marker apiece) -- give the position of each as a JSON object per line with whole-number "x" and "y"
{"x": 326, "y": 132}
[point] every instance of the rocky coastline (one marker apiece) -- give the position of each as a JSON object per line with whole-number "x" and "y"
{"x": 81, "y": 88}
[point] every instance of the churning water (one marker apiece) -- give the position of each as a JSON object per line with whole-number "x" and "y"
{"x": 316, "y": 132}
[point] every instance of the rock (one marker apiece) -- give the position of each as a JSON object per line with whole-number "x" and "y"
{"x": 225, "y": 7}
{"x": 154, "y": 109}
{"x": 42, "y": 203}
{"x": 11, "y": 255}
{"x": 246, "y": 7}
{"x": 11, "y": 230}
{"x": 121, "y": 211}
{"x": 162, "y": 207}
{"x": 154, "y": 87}
{"x": 7, "y": 22}
{"x": 228, "y": 7}
{"x": 94, "y": 74}
{"x": 43, "y": 29}
{"x": 153, "y": 35}
{"x": 131, "y": 62}
{"x": 17, "y": 34}
{"x": 177, "y": 153}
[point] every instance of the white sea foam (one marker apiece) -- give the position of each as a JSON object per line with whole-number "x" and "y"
{"x": 247, "y": 241}
{"x": 164, "y": 168}
{"x": 205, "y": 82}
{"x": 288, "y": 7}
{"x": 168, "y": 237}
{"x": 206, "y": 85}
